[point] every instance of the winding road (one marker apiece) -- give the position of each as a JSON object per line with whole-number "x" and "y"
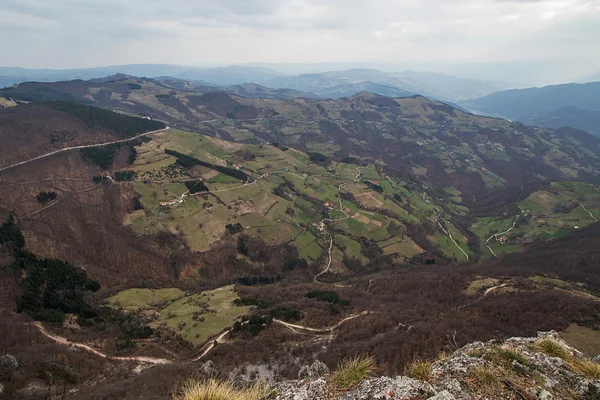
{"x": 320, "y": 331}
{"x": 87, "y": 146}
{"x": 203, "y": 352}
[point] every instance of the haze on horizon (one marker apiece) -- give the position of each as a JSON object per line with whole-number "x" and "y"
{"x": 425, "y": 34}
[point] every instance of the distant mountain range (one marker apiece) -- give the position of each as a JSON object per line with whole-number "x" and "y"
{"x": 575, "y": 105}
{"x": 327, "y": 85}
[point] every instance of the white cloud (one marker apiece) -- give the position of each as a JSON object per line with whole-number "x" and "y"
{"x": 76, "y": 33}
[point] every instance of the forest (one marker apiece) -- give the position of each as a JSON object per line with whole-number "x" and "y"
{"x": 187, "y": 162}
{"x": 123, "y": 125}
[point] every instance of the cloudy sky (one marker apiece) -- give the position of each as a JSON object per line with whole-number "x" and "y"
{"x": 84, "y": 33}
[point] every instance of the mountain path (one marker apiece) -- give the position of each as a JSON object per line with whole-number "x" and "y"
{"x": 87, "y": 146}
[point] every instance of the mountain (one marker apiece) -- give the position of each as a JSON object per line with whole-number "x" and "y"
{"x": 253, "y": 91}
{"x": 219, "y": 76}
{"x": 573, "y": 105}
{"x": 437, "y": 86}
{"x": 350, "y": 82}
{"x": 350, "y": 89}
{"x": 588, "y": 121}
{"x": 262, "y": 234}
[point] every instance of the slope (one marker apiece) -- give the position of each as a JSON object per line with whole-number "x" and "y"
{"x": 555, "y": 106}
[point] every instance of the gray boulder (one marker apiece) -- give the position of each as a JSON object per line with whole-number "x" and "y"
{"x": 314, "y": 371}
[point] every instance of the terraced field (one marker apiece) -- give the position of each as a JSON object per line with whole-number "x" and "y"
{"x": 551, "y": 213}
{"x": 283, "y": 202}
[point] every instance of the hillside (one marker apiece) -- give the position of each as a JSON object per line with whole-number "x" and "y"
{"x": 574, "y": 105}
{"x": 399, "y": 84}
{"x": 353, "y": 81}
{"x": 325, "y": 229}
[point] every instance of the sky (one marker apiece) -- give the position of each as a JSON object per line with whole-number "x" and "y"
{"x": 87, "y": 33}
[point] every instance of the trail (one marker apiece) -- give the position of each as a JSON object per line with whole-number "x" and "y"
{"x": 63, "y": 341}
{"x": 490, "y": 290}
{"x": 324, "y": 229}
{"x": 580, "y": 205}
{"x": 485, "y": 293}
{"x": 140, "y": 359}
{"x": 210, "y": 345}
{"x": 510, "y": 229}
{"x": 45, "y": 180}
{"x": 87, "y": 146}
{"x": 320, "y": 331}
{"x": 449, "y": 234}
{"x": 446, "y": 231}
{"x": 58, "y": 201}
{"x": 204, "y": 351}
{"x": 495, "y": 235}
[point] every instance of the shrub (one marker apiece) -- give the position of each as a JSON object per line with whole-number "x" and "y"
{"x": 9, "y": 232}
{"x": 352, "y": 371}
{"x": 45, "y": 197}
{"x": 196, "y": 186}
{"x": 552, "y": 348}
{"x": 126, "y": 175}
{"x": 234, "y": 228}
{"x": 329, "y": 296}
{"x": 420, "y": 370}
{"x": 213, "y": 389}
{"x": 318, "y": 158}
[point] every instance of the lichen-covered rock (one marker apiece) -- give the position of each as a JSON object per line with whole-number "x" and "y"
{"x": 400, "y": 387}
{"x": 514, "y": 369}
{"x": 207, "y": 368}
{"x": 302, "y": 390}
{"x": 443, "y": 395}
{"x": 314, "y": 371}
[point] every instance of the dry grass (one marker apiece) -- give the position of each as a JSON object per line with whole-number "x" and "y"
{"x": 352, "y": 371}
{"x": 420, "y": 370}
{"x": 589, "y": 369}
{"x": 484, "y": 377}
{"x": 214, "y": 389}
{"x": 552, "y": 348}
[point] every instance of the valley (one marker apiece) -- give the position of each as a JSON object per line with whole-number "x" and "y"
{"x": 303, "y": 227}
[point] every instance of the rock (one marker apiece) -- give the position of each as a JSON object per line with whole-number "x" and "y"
{"x": 545, "y": 395}
{"x": 444, "y": 395}
{"x": 2, "y": 389}
{"x": 314, "y": 371}
{"x": 8, "y": 364}
{"x": 303, "y": 390}
{"x": 459, "y": 364}
{"x": 400, "y": 387}
{"x": 207, "y": 368}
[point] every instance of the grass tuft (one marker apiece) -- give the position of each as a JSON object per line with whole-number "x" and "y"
{"x": 213, "y": 389}
{"x": 589, "y": 369}
{"x": 552, "y": 348}
{"x": 484, "y": 377}
{"x": 420, "y": 370}
{"x": 511, "y": 355}
{"x": 352, "y": 371}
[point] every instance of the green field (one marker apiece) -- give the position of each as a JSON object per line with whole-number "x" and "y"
{"x": 307, "y": 246}
{"x": 222, "y": 313}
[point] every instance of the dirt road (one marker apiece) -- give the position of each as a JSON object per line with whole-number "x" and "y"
{"x": 87, "y": 146}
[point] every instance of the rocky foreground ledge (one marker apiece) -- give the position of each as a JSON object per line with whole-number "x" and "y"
{"x": 518, "y": 368}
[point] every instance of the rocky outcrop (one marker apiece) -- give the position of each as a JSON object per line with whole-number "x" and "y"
{"x": 543, "y": 367}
